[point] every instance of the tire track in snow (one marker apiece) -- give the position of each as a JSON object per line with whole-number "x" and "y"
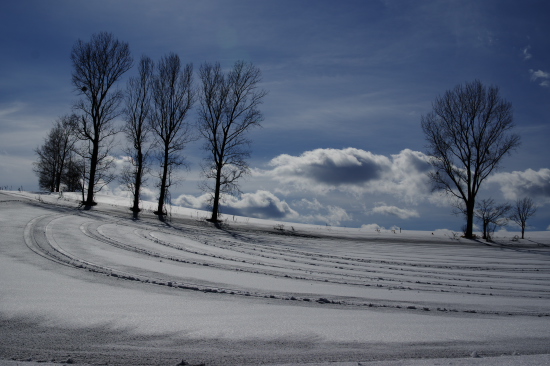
{"x": 276, "y": 256}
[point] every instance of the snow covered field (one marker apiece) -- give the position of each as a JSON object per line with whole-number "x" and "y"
{"x": 96, "y": 287}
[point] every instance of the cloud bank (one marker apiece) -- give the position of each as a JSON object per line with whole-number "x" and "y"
{"x": 528, "y": 183}
{"x": 395, "y": 211}
{"x": 353, "y": 170}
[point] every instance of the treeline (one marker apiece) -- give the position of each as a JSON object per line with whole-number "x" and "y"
{"x": 155, "y": 107}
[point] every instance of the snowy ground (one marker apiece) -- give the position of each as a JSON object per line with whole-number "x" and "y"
{"x": 96, "y": 287}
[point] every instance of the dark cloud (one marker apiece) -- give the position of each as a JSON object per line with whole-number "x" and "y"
{"x": 331, "y": 167}
{"x": 354, "y": 170}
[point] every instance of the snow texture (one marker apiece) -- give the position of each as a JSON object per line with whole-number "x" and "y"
{"x": 96, "y": 286}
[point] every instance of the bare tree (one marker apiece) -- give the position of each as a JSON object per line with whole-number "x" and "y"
{"x": 172, "y": 98}
{"x": 54, "y": 155}
{"x": 468, "y": 135}
{"x": 522, "y": 211}
{"x": 228, "y": 110}
{"x": 491, "y": 216}
{"x": 98, "y": 65}
{"x": 137, "y": 130}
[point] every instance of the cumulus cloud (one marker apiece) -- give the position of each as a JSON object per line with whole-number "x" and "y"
{"x": 330, "y": 167}
{"x": 353, "y": 170}
{"x": 190, "y": 201}
{"x": 528, "y": 183}
{"x": 261, "y": 204}
{"x": 395, "y": 211}
{"x": 540, "y": 76}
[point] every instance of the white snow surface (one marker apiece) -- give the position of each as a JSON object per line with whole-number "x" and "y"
{"x": 278, "y": 293}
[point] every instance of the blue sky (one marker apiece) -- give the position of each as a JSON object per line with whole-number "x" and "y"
{"x": 348, "y": 82}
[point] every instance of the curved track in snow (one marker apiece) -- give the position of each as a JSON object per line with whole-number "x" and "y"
{"x": 312, "y": 267}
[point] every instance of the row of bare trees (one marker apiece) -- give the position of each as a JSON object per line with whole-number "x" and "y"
{"x": 492, "y": 215}
{"x": 57, "y": 163}
{"x": 155, "y": 106}
{"x": 468, "y": 130}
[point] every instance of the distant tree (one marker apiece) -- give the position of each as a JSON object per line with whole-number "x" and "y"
{"x": 137, "y": 130}
{"x": 522, "y": 211}
{"x": 98, "y": 65}
{"x": 72, "y": 179}
{"x": 491, "y": 216}
{"x": 172, "y": 98}
{"x": 468, "y": 135}
{"x": 55, "y": 153}
{"x": 228, "y": 110}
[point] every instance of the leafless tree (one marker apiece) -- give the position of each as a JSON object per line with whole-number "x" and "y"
{"x": 55, "y": 153}
{"x": 228, "y": 110}
{"x": 137, "y": 130}
{"x": 172, "y": 98}
{"x": 98, "y": 65}
{"x": 491, "y": 216}
{"x": 522, "y": 211}
{"x": 468, "y": 134}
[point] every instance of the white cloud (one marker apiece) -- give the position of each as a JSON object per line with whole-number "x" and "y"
{"x": 330, "y": 167}
{"x": 354, "y": 171}
{"x": 335, "y": 215}
{"x": 542, "y": 75}
{"x": 187, "y": 200}
{"x": 528, "y": 183}
{"x": 526, "y": 54}
{"x": 396, "y": 211}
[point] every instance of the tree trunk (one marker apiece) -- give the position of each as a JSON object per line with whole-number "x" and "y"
{"x": 59, "y": 174}
{"x": 469, "y": 234}
{"x": 137, "y": 187}
{"x": 91, "y": 181}
{"x": 137, "y": 183}
{"x": 216, "y": 204}
{"x": 160, "y": 209}
{"x": 523, "y": 231}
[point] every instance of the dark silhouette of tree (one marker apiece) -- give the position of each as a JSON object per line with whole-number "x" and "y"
{"x": 228, "y": 110}
{"x": 522, "y": 211}
{"x": 491, "y": 216}
{"x": 98, "y": 65}
{"x": 468, "y": 134}
{"x": 137, "y": 130}
{"x": 55, "y": 153}
{"x": 172, "y": 98}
